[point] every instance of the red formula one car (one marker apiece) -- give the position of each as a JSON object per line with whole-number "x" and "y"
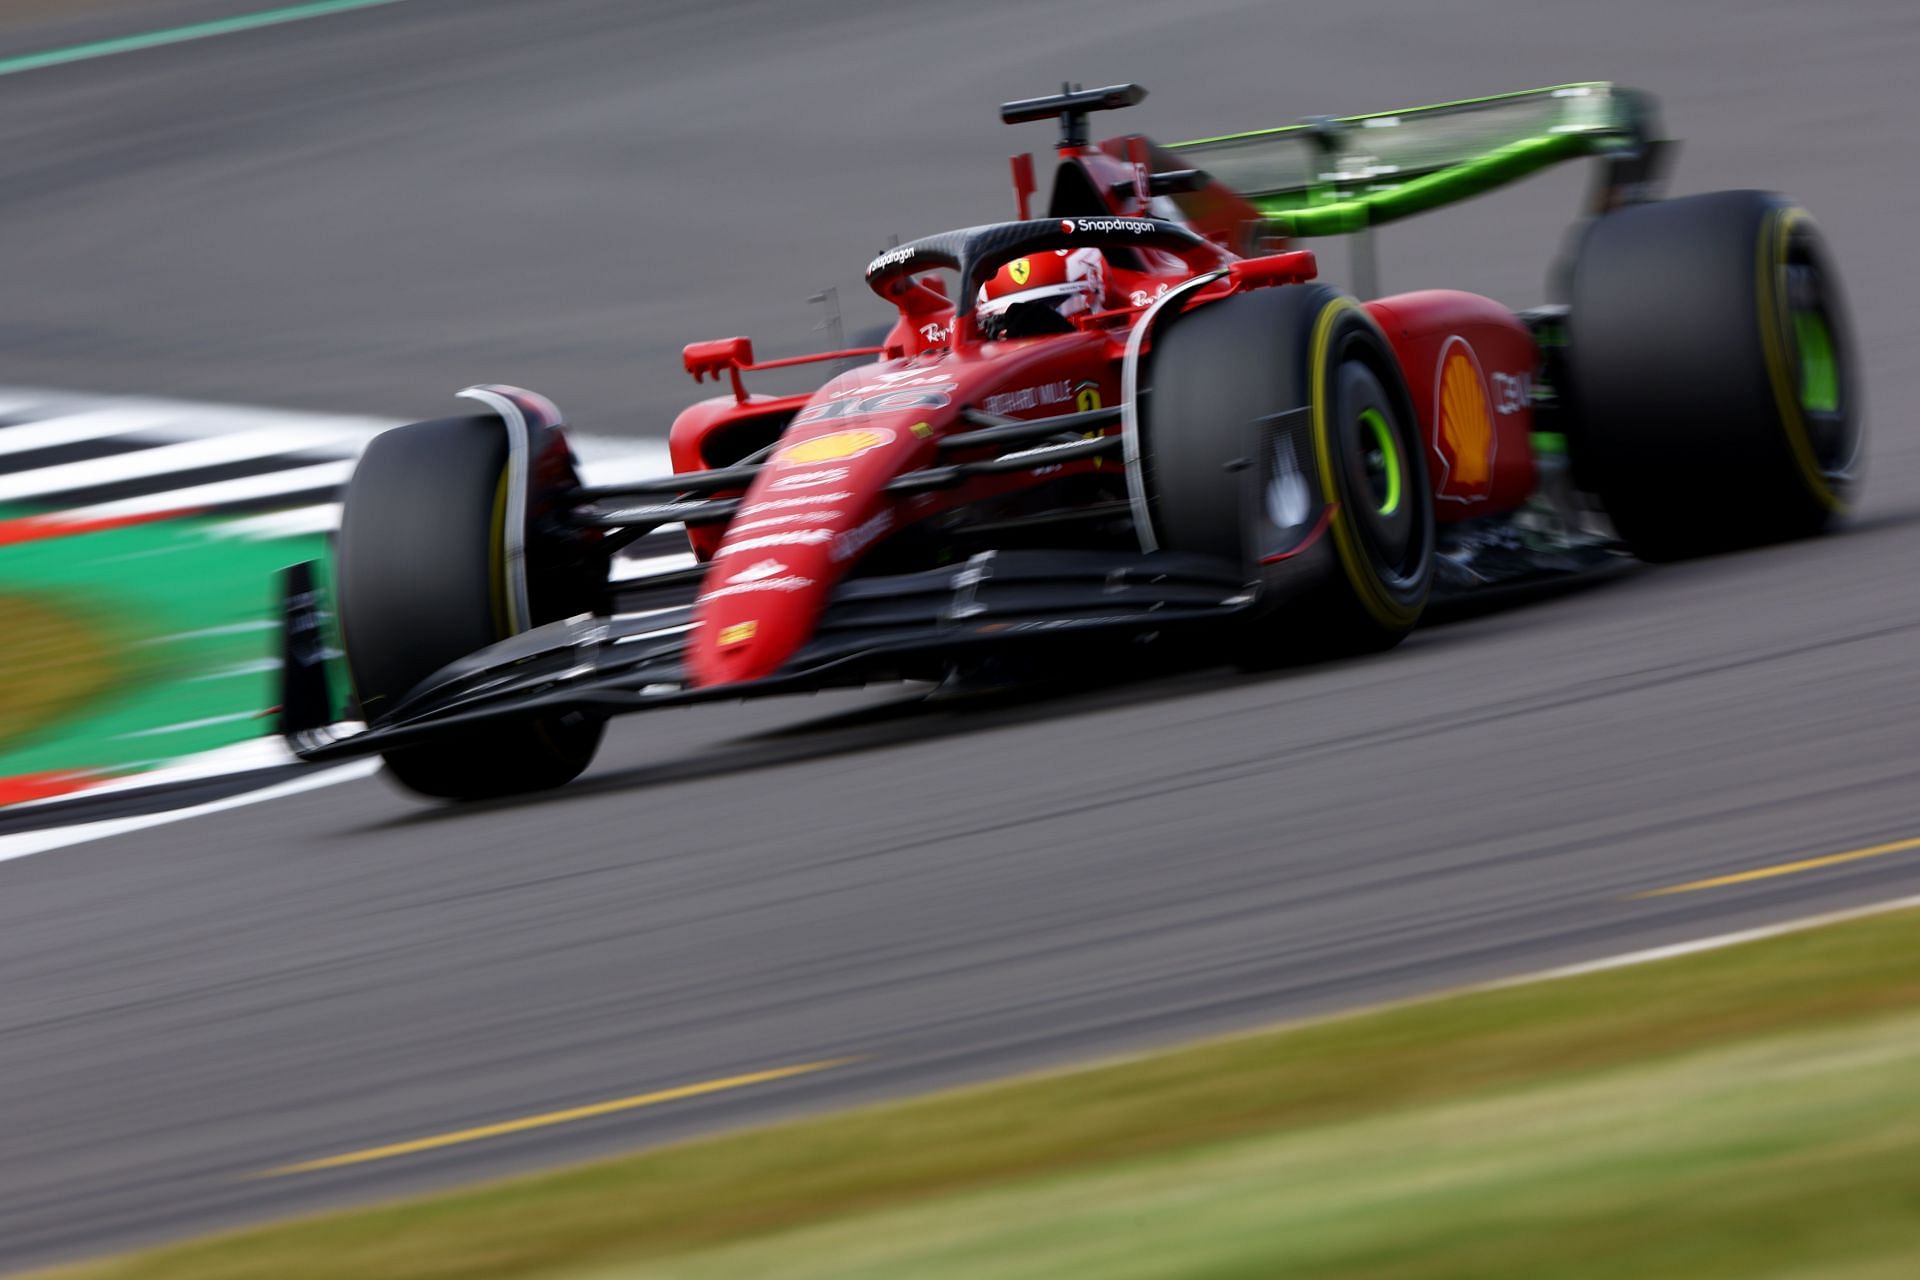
{"x": 1136, "y": 418}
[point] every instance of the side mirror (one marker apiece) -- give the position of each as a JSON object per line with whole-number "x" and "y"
{"x": 1295, "y": 267}
{"x": 722, "y": 355}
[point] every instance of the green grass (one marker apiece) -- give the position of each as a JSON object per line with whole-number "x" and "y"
{"x": 1745, "y": 1112}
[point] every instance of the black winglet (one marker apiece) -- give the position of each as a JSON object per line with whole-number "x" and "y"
{"x": 306, "y": 701}
{"x": 1072, "y": 104}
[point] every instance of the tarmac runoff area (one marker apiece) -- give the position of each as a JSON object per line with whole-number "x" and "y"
{"x": 314, "y": 215}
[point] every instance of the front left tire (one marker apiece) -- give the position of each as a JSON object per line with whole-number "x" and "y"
{"x": 420, "y": 573}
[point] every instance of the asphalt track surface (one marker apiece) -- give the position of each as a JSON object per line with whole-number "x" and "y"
{"x": 367, "y": 211}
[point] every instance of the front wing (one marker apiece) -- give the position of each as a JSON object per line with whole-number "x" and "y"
{"x": 872, "y": 629}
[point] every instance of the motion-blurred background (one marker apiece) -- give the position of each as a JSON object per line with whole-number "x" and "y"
{"x": 366, "y": 213}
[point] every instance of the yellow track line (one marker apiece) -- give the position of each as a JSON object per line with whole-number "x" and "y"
{"x": 1786, "y": 868}
{"x": 567, "y": 1116}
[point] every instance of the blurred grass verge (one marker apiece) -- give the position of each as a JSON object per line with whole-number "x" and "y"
{"x": 54, "y": 662}
{"x": 185, "y": 649}
{"x": 1745, "y": 1112}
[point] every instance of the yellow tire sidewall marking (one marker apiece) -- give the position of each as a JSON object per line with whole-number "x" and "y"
{"x": 1775, "y": 235}
{"x": 1383, "y": 608}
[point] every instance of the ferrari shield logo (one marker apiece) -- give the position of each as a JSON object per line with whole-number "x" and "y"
{"x": 1020, "y": 269}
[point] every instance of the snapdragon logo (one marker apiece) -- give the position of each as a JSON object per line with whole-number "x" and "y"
{"x": 1137, "y": 226}
{"x": 891, "y": 258}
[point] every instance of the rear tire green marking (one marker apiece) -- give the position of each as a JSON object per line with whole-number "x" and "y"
{"x": 1382, "y": 432}
{"x": 1819, "y": 372}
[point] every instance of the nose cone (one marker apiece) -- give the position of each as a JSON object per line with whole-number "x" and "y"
{"x": 818, "y": 504}
{"x": 753, "y": 613}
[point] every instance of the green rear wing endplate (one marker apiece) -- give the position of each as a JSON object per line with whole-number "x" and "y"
{"x": 1336, "y": 175}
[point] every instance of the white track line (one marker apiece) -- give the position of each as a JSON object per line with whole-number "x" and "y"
{"x": 25, "y": 844}
{"x": 264, "y": 752}
{"x": 252, "y": 667}
{"x": 324, "y": 518}
{"x": 96, "y": 424}
{"x": 12, "y": 403}
{"x": 1672, "y": 950}
{"x": 203, "y": 723}
{"x": 191, "y": 421}
{"x": 326, "y": 475}
{"x": 241, "y": 446}
{"x": 183, "y": 429}
{"x": 225, "y": 629}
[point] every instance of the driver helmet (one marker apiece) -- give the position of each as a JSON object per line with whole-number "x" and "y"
{"x": 1042, "y": 293}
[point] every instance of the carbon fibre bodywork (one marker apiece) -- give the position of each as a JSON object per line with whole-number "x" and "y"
{"x": 872, "y": 629}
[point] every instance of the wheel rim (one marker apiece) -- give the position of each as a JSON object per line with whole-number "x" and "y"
{"x": 1386, "y": 556}
{"x": 1819, "y": 370}
{"x": 1381, "y": 458}
{"x": 1373, "y": 462}
{"x": 1817, "y": 363}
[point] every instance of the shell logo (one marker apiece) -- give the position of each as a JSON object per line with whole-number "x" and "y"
{"x": 1463, "y": 426}
{"x": 835, "y": 447}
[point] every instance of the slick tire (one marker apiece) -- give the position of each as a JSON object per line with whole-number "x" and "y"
{"x": 420, "y": 574}
{"x": 1711, "y": 374}
{"x": 1277, "y": 432}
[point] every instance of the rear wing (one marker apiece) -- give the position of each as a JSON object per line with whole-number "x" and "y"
{"x": 1337, "y": 175}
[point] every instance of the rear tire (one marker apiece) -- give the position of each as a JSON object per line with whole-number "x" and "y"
{"x": 421, "y": 583}
{"x": 1270, "y": 413}
{"x": 1711, "y": 374}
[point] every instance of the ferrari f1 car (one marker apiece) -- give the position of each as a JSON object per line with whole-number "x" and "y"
{"x": 1209, "y": 446}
